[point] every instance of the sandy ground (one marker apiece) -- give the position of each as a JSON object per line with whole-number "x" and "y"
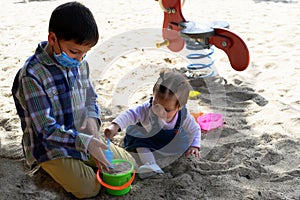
{"x": 257, "y": 153}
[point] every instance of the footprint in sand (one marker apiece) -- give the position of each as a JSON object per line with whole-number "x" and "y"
{"x": 213, "y": 87}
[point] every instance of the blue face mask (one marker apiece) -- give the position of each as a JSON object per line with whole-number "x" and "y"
{"x": 65, "y": 60}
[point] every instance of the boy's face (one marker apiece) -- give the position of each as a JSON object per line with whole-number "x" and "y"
{"x": 72, "y": 49}
{"x": 165, "y": 108}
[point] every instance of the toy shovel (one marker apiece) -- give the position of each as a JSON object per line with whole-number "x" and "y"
{"x": 109, "y": 154}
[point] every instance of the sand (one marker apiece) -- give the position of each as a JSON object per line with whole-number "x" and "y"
{"x": 256, "y": 155}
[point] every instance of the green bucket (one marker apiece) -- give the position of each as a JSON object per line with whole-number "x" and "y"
{"x": 117, "y": 184}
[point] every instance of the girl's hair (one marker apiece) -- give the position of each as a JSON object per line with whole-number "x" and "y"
{"x": 74, "y": 21}
{"x": 171, "y": 82}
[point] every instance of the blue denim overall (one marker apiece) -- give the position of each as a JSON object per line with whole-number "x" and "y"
{"x": 174, "y": 141}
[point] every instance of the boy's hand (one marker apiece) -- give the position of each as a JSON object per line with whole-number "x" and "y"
{"x": 193, "y": 151}
{"x": 96, "y": 148}
{"x": 112, "y": 130}
{"x": 90, "y": 125}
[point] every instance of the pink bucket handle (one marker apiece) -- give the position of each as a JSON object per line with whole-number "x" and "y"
{"x": 121, "y": 187}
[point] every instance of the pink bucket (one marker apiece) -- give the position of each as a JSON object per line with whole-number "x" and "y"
{"x": 210, "y": 121}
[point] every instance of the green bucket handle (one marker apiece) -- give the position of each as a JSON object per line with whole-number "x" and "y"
{"x": 121, "y": 187}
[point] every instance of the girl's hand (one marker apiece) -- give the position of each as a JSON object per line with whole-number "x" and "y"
{"x": 112, "y": 130}
{"x": 193, "y": 151}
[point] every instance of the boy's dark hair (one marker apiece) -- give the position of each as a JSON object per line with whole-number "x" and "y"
{"x": 74, "y": 21}
{"x": 172, "y": 82}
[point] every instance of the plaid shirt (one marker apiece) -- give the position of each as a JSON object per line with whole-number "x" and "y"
{"x": 52, "y": 102}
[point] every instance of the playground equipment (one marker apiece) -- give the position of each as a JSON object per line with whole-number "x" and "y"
{"x": 177, "y": 33}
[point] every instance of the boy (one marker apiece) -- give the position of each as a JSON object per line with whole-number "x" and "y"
{"x": 56, "y": 103}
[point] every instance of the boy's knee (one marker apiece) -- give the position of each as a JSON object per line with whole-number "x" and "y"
{"x": 87, "y": 191}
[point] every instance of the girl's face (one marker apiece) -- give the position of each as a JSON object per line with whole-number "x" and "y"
{"x": 165, "y": 108}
